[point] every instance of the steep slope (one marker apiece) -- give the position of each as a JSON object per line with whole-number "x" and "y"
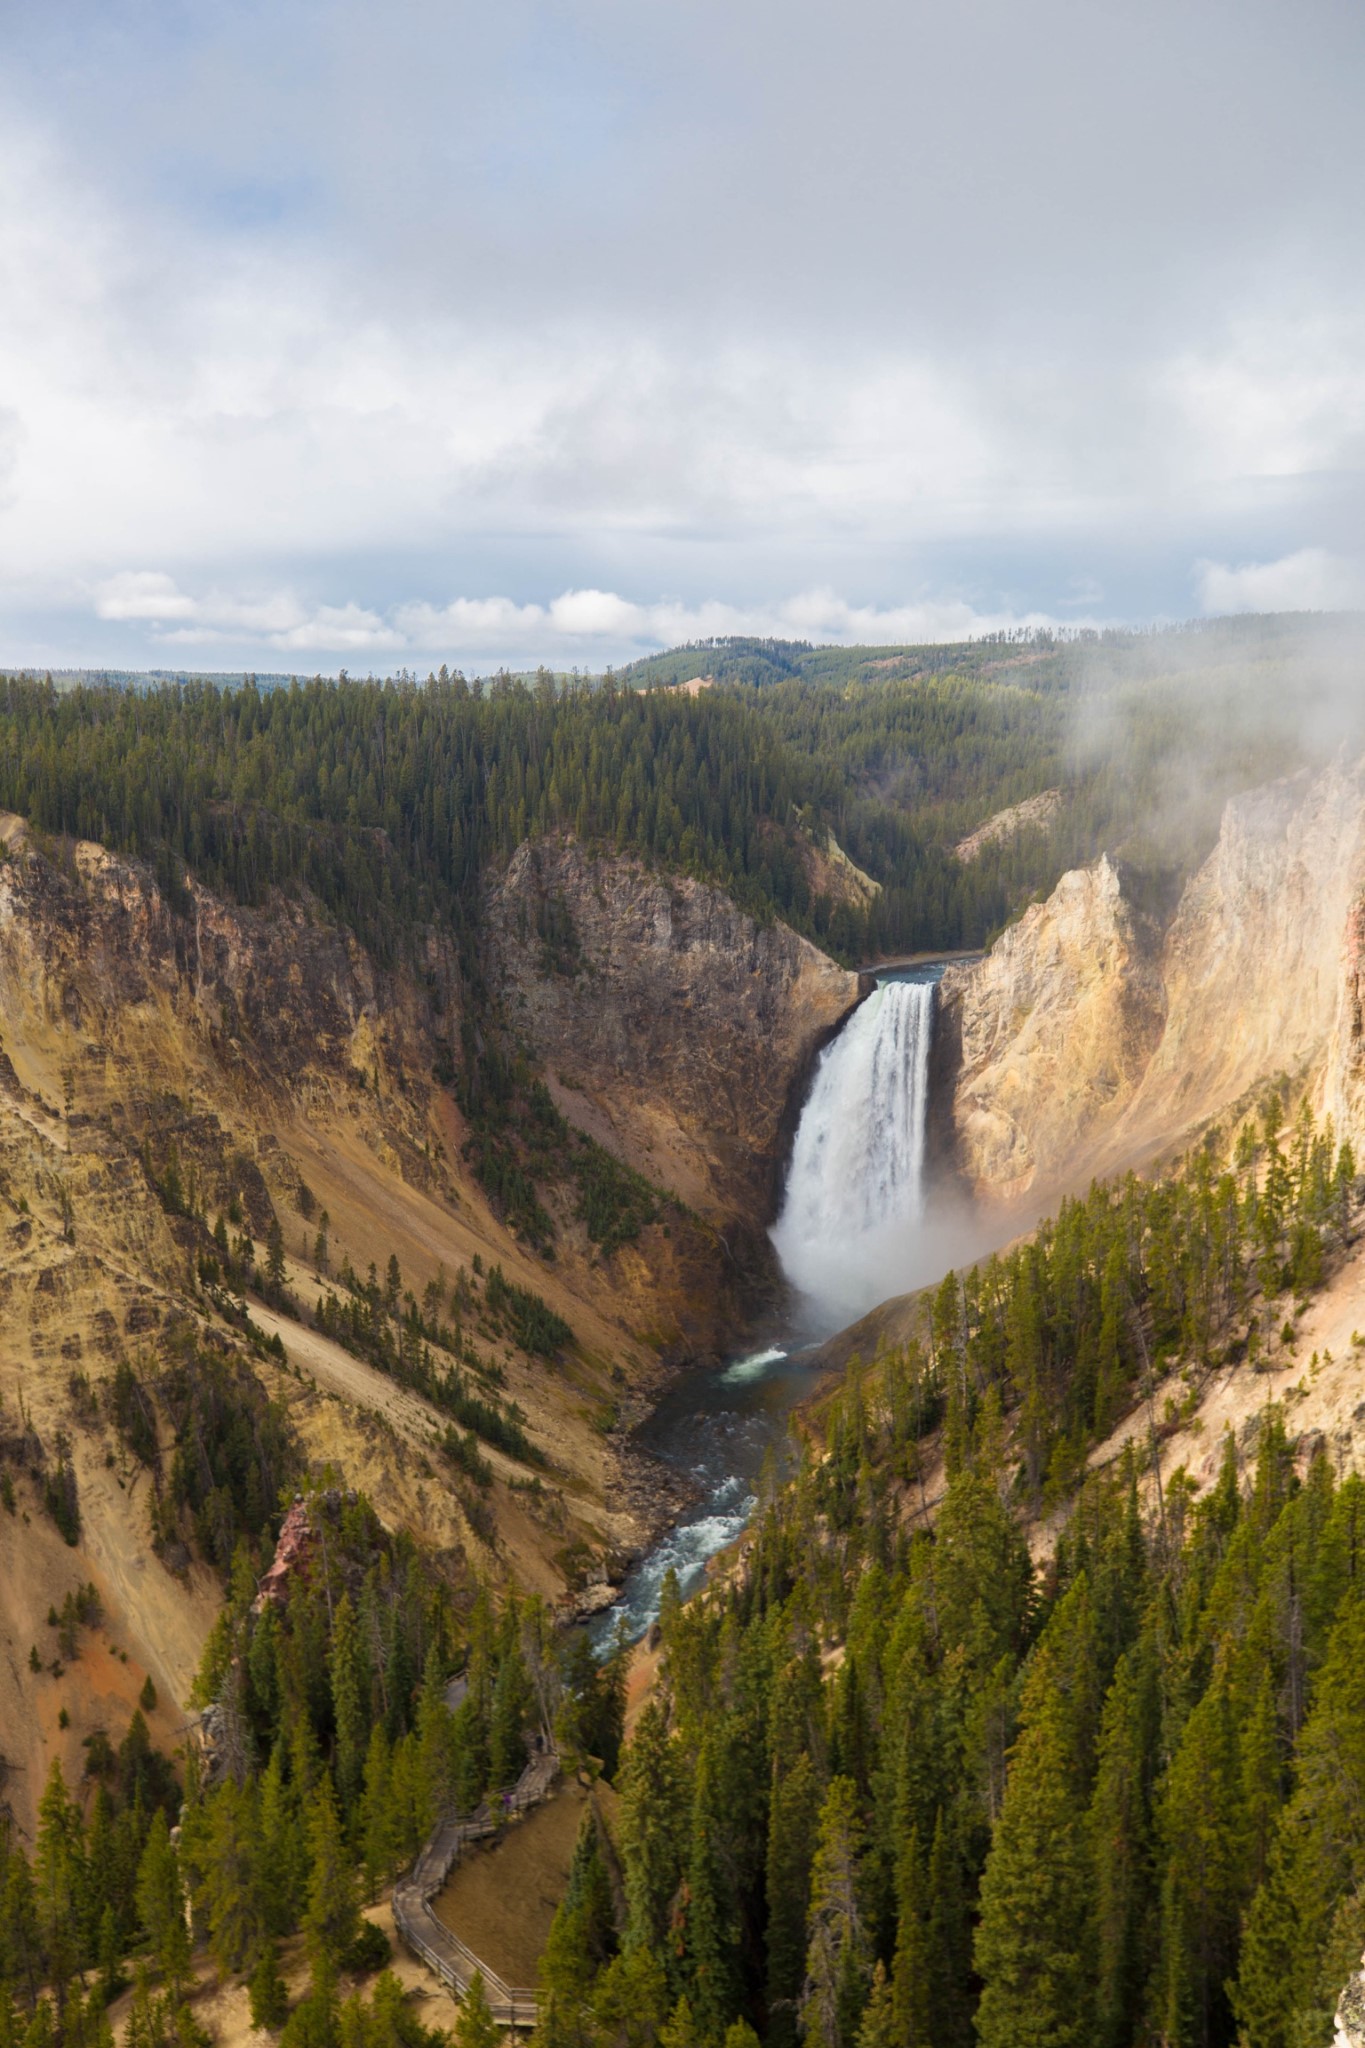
{"x": 1252, "y": 962}
{"x": 164, "y": 1062}
{"x": 672, "y": 1026}
{"x": 1085, "y": 1041}
{"x": 1045, "y": 1039}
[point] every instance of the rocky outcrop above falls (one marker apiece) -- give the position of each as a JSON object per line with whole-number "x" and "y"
{"x": 91, "y": 947}
{"x": 1085, "y": 1040}
{"x": 673, "y": 1028}
{"x": 1047, "y": 1036}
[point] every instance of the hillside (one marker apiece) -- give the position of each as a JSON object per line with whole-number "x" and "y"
{"x": 194, "y": 1093}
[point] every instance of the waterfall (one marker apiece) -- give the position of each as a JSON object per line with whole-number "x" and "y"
{"x": 855, "y": 1187}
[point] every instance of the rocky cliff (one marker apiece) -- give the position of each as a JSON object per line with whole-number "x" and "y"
{"x": 1086, "y": 1040}
{"x": 673, "y": 1028}
{"x": 1045, "y": 1039}
{"x": 166, "y": 1058}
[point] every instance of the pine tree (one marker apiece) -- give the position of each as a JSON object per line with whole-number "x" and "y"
{"x": 161, "y": 1907}
{"x": 739, "y": 2034}
{"x": 1119, "y": 1824}
{"x": 791, "y": 1849}
{"x": 346, "y": 1669}
{"x": 880, "y": 2028}
{"x": 331, "y": 1920}
{"x": 838, "y": 1951}
{"x": 1032, "y": 1942}
{"x": 108, "y": 1955}
{"x": 910, "y": 1988}
{"x": 1317, "y": 1857}
{"x": 59, "y": 1882}
{"x": 274, "y": 1266}
{"x": 1203, "y": 1889}
{"x": 511, "y": 1711}
{"x": 1274, "y": 1971}
{"x": 681, "y": 2029}
{"x": 630, "y": 1999}
{"x": 23, "y": 1934}
{"x": 379, "y": 1834}
{"x": 475, "y": 2026}
{"x": 949, "y": 1943}
{"x": 583, "y": 1932}
{"x": 654, "y": 1805}
{"x": 268, "y": 1992}
{"x": 710, "y": 1921}
{"x": 435, "y": 1762}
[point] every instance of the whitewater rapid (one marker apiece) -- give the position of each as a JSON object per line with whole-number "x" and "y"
{"x": 855, "y": 1187}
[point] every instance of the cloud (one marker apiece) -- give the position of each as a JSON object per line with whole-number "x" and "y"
{"x": 279, "y": 620}
{"x": 707, "y": 301}
{"x": 1309, "y": 580}
{"x": 588, "y": 625}
{"x": 143, "y": 594}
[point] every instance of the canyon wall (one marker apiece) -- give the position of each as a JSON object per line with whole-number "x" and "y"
{"x": 1086, "y": 1040}
{"x": 672, "y": 1026}
{"x": 1044, "y": 1039}
{"x": 166, "y": 1056}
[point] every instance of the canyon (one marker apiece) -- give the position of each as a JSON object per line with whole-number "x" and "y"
{"x": 166, "y": 1055}
{"x": 288, "y": 1072}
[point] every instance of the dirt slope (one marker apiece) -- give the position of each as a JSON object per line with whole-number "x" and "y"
{"x": 260, "y": 1061}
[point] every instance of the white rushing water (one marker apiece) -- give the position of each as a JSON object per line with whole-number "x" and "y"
{"x": 855, "y": 1188}
{"x": 852, "y": 1231}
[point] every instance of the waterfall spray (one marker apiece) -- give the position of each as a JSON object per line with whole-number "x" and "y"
{"x": 855, "y": 1189}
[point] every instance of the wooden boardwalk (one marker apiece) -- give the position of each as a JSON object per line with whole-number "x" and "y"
{"x": 512, "y": 2005}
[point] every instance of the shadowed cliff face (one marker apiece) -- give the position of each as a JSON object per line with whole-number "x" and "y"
{"x": 673, "y": 1028}
{"x": 1085, "y": 1040}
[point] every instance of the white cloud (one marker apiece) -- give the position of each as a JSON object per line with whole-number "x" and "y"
{"x": 1309, "y": 580}
{"x": 278, "y": 620}
{"x": 592, "y": 626}
{"x": 143, "y": 594}
{"x": 577, "y": 341}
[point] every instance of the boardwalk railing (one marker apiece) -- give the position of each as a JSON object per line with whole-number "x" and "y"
{"x": 512, "y": 2005}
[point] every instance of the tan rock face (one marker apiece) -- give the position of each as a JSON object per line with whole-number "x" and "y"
{"x": 1344, "y": 1081}
{"x": 1081, "y": 1043}
{"x": 674, "y": 1028}
{"x": 1033, "y": 814}
{"x": 1050, "y": 1032}
{"x": 1252, "y": 962}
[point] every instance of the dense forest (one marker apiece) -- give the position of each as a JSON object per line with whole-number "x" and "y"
{"x": 389, "y": 800}
{"x": 899, "y": 1785}
{"x": 332, "y": 1751}
{"x": 903, "y": 1789}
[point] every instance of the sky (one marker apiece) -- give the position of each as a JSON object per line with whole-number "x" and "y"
{"x": 335, "y": 335}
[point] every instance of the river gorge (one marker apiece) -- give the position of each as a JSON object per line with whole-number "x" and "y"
{"x": 848, "y": 1234}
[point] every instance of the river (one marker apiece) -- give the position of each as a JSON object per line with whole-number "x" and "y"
{"x": 846, "y": 1238}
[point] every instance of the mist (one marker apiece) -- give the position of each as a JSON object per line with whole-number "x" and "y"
{"x": 1161, "y": 730}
